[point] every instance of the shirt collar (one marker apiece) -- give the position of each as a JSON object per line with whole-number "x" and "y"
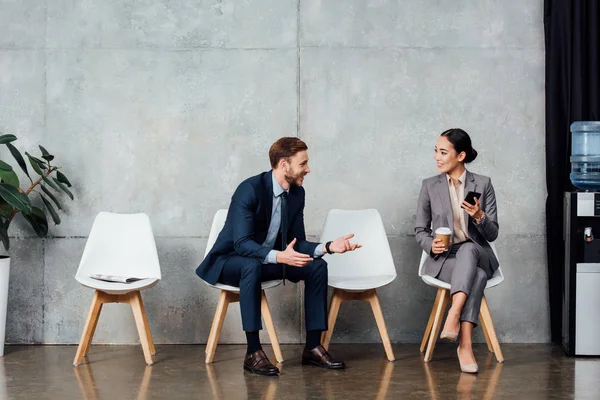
{"x": 461, "y": 179}
{"x": 277, "y": 189}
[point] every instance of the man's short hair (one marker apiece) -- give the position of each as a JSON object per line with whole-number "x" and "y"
{"x": 285, "y": 147}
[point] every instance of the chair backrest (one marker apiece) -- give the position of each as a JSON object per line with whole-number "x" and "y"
{"x": 215, "y": 229}
{"x": 374, "y": 258}
{"x": 120, "y": 244}
{"x": 498, "y": 272}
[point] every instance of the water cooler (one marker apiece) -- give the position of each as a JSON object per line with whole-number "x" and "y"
{"x": 581, "y": 235}
{"x": 581, "y": 293}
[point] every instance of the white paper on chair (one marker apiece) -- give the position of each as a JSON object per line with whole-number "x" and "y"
{"x": 115, "y": 278}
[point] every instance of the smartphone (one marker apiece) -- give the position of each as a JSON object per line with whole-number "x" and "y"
{"x": 471, "y": 196}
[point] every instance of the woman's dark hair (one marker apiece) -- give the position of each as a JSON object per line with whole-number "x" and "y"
{"x": 461, "y": 142}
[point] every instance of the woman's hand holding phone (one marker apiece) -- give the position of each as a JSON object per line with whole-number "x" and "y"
{"x": 474, "y": 210}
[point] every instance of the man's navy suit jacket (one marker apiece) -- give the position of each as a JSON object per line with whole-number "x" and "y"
{"x": 248, "y": 222}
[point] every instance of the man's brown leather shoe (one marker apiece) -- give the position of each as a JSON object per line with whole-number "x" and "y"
{"x": 321, "y": 358}
{"x": 258, "y": 363}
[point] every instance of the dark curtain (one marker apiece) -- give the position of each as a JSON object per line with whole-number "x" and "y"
{"x": 572, "y": 94}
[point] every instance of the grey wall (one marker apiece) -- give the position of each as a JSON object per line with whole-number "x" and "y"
{"x": 164, "y": 107}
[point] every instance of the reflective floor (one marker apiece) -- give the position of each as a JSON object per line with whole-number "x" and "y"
{"x": 119, "y": 372}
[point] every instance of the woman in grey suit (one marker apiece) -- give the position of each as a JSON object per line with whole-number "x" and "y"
{"x": 469, "y": 261}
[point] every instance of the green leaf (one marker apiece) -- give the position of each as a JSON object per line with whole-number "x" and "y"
{"x": 41, "y": 163}
{"x": 4, "y": 223}
{"x": 64, "y": 188}
{"x": 62, "y": 178}
{"x": 34, "y": 164}
{"x": 50, "y": 183}
{"x": 6, "y": 209}
{"x": 10, "y": 177}
{"x": 18, "y": 157}
{"x": 49, "y": 194}
{"x": 4, "y": 166}
{"x": 37, "y": 220}
{"x": 50, "y": 208}
{"x": 4, "y": 139}
{"x": 12, "y": 196}
{"x": 45, "y": 155}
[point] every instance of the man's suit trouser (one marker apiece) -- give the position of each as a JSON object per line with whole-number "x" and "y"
{"x": 248, "y": 273}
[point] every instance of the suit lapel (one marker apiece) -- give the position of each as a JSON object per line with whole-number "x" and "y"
{"x": 444, "y": 193}
{"x": 470, "y": 186}
{"x": 269, "y": 194}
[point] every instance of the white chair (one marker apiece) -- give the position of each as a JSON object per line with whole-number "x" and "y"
{"x": 357, "y": 274}
{"x": 442, "y": 300}
{"x": 231, "y": 294}
{"x": 121, "y": 245}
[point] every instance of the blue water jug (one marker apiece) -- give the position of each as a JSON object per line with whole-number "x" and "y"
{"x": 585, "y": 155}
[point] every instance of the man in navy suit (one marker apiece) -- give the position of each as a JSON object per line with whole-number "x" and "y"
{"x": 264, "y": 239}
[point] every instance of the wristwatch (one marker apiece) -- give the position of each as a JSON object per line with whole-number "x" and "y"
{"x": 480, "y": 220}
{"x": 327, "y": 247}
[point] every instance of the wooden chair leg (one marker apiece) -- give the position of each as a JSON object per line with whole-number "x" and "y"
{"x": 437, "y": 324}
{"x": 266, "y": 314}
{"x": 385, "y": 338}
{"x": 334, "y": 309}
{"x": 485, "y": 316}
{"x": 135, "y": 300}
{"x": 217, "y": 325}
{"x": 486, "y": 335}
{"x": 148, "y": 332}
{"x": 93, "y": 331}
{"x": 430, "y": 322}
{"x": 88, "y": 329}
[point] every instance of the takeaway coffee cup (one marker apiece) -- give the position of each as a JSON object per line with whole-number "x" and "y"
{"x": 444, "y": 234}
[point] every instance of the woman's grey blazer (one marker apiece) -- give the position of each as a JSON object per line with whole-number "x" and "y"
{"x": 434, "y": 210}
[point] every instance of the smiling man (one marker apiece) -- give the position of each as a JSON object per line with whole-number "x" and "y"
{"x": 264, "y": 239}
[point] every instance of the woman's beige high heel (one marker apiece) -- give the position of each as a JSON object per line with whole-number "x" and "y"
{"x": 452, "y": 337}
{"x": 467, "y": 368}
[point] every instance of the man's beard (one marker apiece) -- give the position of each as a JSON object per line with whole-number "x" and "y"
{"x": 292, "y": 178}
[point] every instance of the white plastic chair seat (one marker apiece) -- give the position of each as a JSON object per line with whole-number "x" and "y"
{"x": 116, "y": 287}
{"x": 121, "y": 245}
{"x": 493, "y": 281}
{"x": 235, "y": 289}
{"x": 360, "y": 283}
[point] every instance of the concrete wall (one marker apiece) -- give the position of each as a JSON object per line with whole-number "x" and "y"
{"x": 164, "y": 107}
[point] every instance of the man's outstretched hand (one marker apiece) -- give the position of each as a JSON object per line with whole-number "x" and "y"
{"x": 342, "y": 244}
{"x": 291, "y": 257}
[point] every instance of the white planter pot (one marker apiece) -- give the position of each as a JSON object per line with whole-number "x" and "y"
{"x": 4, "y": 275}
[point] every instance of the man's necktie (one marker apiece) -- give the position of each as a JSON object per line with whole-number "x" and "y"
{"x": 284, "y": 227}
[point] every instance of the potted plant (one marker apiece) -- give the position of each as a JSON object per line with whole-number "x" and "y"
{"x": 46, "y": 180}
